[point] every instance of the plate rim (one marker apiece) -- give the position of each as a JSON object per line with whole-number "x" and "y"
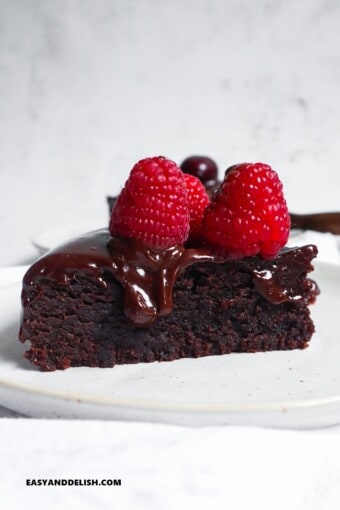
{"x": 254, "y": 407}
{"x": 71, "y": 230}
{"x": 173, "y": 406}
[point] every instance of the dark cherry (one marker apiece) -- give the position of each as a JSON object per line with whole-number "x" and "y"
{"x": 202, "y": 167}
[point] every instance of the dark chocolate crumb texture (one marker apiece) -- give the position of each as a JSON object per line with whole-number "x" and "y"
{"x": 85, "y": 302}
{"x": 102, "y": 299}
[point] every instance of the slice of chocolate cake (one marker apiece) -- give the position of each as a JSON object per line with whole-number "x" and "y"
{"x": 111, "y": 298}
{"x": 75, "y": 306}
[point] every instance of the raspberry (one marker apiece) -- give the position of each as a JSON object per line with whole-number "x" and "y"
{"x": 197, "y": 202}
{"x": 248, "y": 215}
{"x": 153, "y": 205}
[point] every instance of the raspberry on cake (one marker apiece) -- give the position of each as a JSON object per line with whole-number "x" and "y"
{"x": 144, "y": 291}
{"x": 198, "y": 201}
{"x": 153, "y": 205}
{"x": 248, "y": 214}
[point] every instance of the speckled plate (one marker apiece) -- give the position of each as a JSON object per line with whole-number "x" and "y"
{"x": 291, "y": 389}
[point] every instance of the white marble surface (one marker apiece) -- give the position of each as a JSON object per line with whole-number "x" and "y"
{"x": 88, "y": 88}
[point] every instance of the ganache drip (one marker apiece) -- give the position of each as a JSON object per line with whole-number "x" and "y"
{"x": 148, "y": 275}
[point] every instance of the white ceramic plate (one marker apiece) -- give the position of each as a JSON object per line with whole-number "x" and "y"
{"x": 291, "y": 389}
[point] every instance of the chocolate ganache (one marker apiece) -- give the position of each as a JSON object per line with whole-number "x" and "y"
{"x": 148, "y": 275}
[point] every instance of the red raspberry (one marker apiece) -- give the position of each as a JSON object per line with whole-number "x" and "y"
{"x": 197, "y": 202}
{"x": 248, "y": 215}
{"x": 153, "y": 205}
